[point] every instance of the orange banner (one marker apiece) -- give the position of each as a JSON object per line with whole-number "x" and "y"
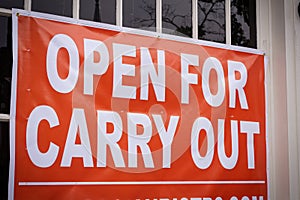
{"x": 103, "y": 112}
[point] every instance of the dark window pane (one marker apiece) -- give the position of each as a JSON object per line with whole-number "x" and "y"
{"x": 57, "y": 7}
{"x": 11, "y": 4}
{"x": 139, "y": 14}
{"x": 177, "y": 17}
{"x": 211, "y": 20}
{"x": 98, "y": 11}
{"x": 4, "y": 158}
{"x": 5, "y": 63}
{"x": 243, "y": 23}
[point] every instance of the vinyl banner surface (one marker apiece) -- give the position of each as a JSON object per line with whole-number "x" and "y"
{"x": 103, "y": 112}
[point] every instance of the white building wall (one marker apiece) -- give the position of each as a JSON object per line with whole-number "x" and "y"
{"x": 279, "y": 37}
{"x": 278, "y": 128}
{"x": 292, "y": 31}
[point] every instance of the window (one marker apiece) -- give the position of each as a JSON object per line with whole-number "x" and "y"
{"x": 139, "y": 14}
{"x": 4, "y": 158}
{"x": 5, "y": 86}
{"x": 211, "y": 20}
{"x": 243, "y": 23}
{"x": 57, "y": 7}
{"x": 5, "y": 63}
{"x": 200, "y": 19}
{"x": 177, "y": 17}
{"x": 98, "y": 11}
{"x": 11, "y": 4}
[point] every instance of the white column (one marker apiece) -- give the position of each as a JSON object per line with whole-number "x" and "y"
{"x": 119, "y": 12}
{"x": 76, "y": 4}
{"x": 271, "y": 35}
{"x": 159, "y": 16}
{"x": 292, "y": 24}
{"x": 228, "y": 21}
{"x": 195, "y": 18}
